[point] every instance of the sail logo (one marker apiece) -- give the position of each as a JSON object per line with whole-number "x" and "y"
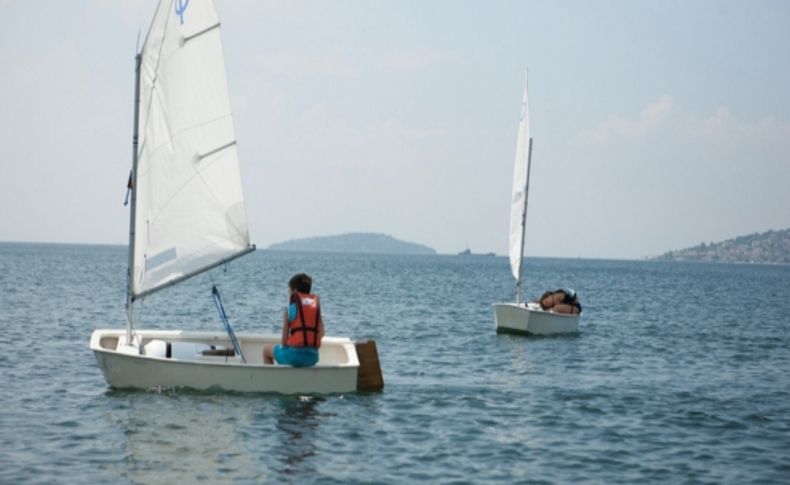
{"x": 181, "y": 6}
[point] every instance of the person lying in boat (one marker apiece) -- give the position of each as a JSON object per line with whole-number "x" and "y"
{"x": 561, "y": 301}
{"x": 303, "y": 327}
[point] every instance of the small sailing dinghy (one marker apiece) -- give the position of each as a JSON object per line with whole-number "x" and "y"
{"x": 188, "y": 216}
{"x": 527, "y": 317}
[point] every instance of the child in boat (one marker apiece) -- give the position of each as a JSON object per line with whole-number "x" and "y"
{"x": 303, "y": 327}
{"x": 561, "y": 301}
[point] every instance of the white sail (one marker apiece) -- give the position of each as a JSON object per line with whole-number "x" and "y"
{"x": 518, "y": 204}
{"x": 189, "y": 212}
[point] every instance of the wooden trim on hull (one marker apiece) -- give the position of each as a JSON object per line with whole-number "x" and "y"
{"x": 369, "y": 376}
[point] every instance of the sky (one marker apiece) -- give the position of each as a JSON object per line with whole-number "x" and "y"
{"x": 656, "y": 125}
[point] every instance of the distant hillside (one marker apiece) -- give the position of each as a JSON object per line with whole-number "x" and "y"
{"x": 768, "y": 247}
{"x": 357, "y": 242}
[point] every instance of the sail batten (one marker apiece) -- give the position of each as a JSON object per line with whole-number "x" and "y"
{"x": 189, "y": 215}
{"x": 184, "y": 40}
{"x": 518, "y": 207}
{"x": 201, "y": 156}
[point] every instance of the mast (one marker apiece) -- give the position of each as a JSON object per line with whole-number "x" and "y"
{"x": 135, "y": 135}
{"x": 524, "y": 223}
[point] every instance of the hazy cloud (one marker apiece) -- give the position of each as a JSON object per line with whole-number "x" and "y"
{"x": 618, "y": 127}
{"x": 724, "y": 126}
{"x": 665, "y": 113}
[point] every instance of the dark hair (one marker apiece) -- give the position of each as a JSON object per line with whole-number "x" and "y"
{"x": 543, "y": 297}
{"x": 301, "y": 282}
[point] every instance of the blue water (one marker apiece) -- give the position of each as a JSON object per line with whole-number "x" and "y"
{"x": 680, "y": 374}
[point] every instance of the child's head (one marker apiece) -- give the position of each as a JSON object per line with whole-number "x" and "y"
{"x": 301, "y": 282}
{"x": 546, "y": 300}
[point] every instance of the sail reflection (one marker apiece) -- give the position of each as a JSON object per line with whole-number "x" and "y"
{"x": 182, "y": 438}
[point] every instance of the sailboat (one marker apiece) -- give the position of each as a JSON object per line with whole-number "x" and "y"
{"x": 528, "y": 317}
{"x": 187, "y": 216}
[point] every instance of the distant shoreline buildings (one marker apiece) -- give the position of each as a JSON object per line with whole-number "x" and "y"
{"x": 767, "y": 247}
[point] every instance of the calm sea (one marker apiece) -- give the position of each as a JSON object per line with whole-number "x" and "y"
{"x": 680, "y": 374}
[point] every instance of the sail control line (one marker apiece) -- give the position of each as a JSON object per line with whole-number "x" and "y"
{"x": 224, "y": 317}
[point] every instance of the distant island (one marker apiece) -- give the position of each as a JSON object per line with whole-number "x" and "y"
{"x": 767, "y": 247}
{"x": 355, "y": 242}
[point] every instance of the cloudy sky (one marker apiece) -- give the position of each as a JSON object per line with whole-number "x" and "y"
{"x": 656, "y": 125}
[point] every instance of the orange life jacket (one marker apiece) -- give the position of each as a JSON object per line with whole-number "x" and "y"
{"x": 303, "y": 330}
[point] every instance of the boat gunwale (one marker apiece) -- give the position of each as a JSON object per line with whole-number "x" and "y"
{"x": 353, "y": 361}
{"x": 538, "y": 310}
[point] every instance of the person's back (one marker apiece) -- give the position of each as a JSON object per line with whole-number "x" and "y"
{"x": 304, "y": 313}
{"x": 561, "y": 301}
{"x": 303, "y": 327}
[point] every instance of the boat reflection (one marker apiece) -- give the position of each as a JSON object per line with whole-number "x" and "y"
{"x": 297, "y": 426}
{"x": 186, "y": 437}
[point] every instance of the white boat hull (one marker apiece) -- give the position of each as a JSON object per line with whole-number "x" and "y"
{"x": 532, "y": 320}
{"x": 124, "y": 367}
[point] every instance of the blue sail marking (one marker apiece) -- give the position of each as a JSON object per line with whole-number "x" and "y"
{"x": 181, "y": 6}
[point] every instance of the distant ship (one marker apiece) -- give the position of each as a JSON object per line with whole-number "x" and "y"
{"x": 468, "y": 252}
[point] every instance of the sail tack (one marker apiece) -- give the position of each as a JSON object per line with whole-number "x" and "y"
{"x": 518, "y": 205}
{"x": 189, "y": 213}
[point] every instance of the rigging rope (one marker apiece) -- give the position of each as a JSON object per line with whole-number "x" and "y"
{"x": 224, "y": 317}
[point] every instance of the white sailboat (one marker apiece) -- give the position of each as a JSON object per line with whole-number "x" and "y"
{"x": 527, "y": 317}
{"x": 188, "y": 216}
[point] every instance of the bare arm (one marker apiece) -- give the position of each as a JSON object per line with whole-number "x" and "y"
{"x": 284, "y": 334}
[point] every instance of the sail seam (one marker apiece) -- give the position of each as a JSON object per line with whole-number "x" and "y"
{"x": 161, "y": 208}
{"x": 175, "y": 135}
{"x": 149, "y": 103}
{"x": 154, "y": 79}
{"x": 239, "y": 231}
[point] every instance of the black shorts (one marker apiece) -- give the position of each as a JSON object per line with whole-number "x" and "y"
{"x": 567, "y": 298}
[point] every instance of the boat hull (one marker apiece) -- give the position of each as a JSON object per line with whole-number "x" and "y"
{"x": 532, "y": 320}
{"x": 123, "y": 366}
